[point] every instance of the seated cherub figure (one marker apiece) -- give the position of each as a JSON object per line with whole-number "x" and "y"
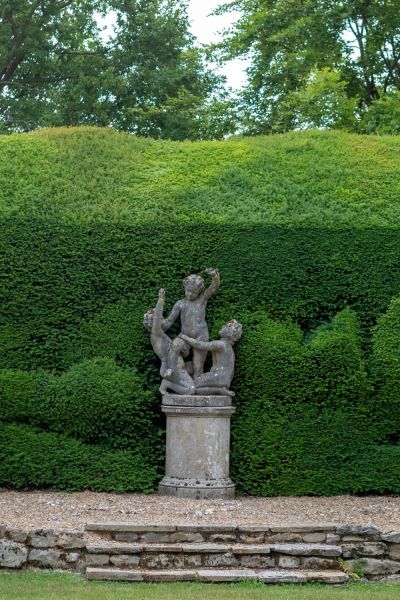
{"x": 170, "y": 352}
{"x": 218, "y": 380}
{"x": 192, "y": 310}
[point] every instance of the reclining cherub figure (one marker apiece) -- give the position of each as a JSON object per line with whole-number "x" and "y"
{"x": 219, "y": 378}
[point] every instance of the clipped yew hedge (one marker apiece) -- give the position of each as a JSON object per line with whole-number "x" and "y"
{"x": 304, "y": 229}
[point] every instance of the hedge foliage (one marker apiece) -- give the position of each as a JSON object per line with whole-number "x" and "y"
{"x": 31, "y": 458}
{"x": 301, "y": 226}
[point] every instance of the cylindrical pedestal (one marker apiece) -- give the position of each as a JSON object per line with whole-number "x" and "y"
{"x": 197, "y": 457}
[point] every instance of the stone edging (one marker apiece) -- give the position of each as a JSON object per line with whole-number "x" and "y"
{"x": 365, "y": 549}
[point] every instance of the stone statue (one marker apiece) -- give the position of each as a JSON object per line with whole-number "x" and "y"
{"x": 170, "y": 352}
{"x": 218, "y": 380}
{"x": 198, "y": 409}
{"x": 192, "y": 310}
{"x": 175, "y": 372}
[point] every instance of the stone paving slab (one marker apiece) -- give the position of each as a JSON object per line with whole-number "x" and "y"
{"x": 170, "y": 575}
{"x": 130, "y": 527}
{"x": 115, "y": 548}
{"x": 226, "y": 575}
{"x": 251, "y": 549}
{"x": 269, "y": 576}
{"x": 113, "y": 575}
{"x": 307, "y": 549}
{"x": 302, "y": 528}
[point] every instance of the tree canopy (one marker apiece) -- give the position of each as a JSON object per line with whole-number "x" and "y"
{"x": 287, "y": 40}
{"x": 56, "y": 68}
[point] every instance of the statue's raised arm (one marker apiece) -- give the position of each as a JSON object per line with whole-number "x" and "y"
{"x": 172, "y": 317}
{"x": 215, "y": 283}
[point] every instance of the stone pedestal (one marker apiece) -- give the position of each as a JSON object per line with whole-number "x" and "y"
{"x": 197, "y": 456}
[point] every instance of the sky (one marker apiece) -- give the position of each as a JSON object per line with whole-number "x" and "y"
{"x": 208, "y": 29}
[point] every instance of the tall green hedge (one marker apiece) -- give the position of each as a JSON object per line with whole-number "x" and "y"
{"x": 301, "y": 226}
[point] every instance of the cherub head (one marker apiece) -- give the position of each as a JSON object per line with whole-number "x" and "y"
{"x": 148, "y": 319}
{"x": 231, "y": 330}
{"x": 181, "y": 346}
{"x": 194, "y": 285}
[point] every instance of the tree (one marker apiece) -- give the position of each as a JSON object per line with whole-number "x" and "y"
{"x": 383, "y": 115}
{"x": 43, "y": 43}
{"x": 321, "y": 103}
{"x": 148, "y": 78}
{"x": 162, "y": 85}
{"x": 287, "y": 39}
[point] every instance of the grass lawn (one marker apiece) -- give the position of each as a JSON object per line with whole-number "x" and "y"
{"x": 65, "y": 586}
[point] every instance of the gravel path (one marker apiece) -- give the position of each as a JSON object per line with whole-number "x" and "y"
{"x": 55, "y": 510}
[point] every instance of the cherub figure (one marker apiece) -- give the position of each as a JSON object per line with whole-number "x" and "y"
{"x": 170, "y": 352}
{"x": 192, "y": 310}
{"x": 218, "y": 380}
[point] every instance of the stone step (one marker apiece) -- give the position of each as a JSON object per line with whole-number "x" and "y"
{"x": 223, "y": 527}
{"x": 218, "y": 575}
{"x": 299, "y": 549}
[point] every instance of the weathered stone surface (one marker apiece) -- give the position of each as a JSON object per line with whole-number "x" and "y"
{"x": 288, "y": 562}
{"x": 193, "y": 560}
{"x": 162, "y": 561}
{"x": 97, "y": 560}
{"x": 329, "y": 577}
{"x": 44, "y": 538}
{"x": 206, "y": 548}
{"x": 71, "y": 540}
{"x": 314, "y": 562}
{"x": 307, "y": 549}
{"x": 220, "y": 560}
{"x": 114, "y": 548}
{"x": 229, "y": 575}
{"x": 222, "y": 537}
{"x": 332, "y": 538}
{"x": 284, "y": 538}
{"x": 256, "y": 530}
{"x": 394, "y": 551}
{"x": 223, "y": 528}
{"x": 276, "y": 576}
{"x": 114, "y": 575}
{"x": 129, "y": 527}
{"x": 165, "y": 547}
{"x": 251, "y": 549}
{"x": 393, "y": 537}
{"x": 72, "y": 557}
{"x": 12, "y": 554}
{"x": 364, "y": 549}
{"x": 170, "y": 575}
{"x": 153, "y": 537}
{"x": 181, "y": 536}
{"x": 3, "y": 530}
{"x": 302, "y": 528}
{"x": 365, "y": 532}
{"x": 390, "y": 579}
{"x": 124, "y": 561}
{"x": 375, "y": 566}
{"x": 17, "y": 535}
{"x": 252, "y": 539}
{"x": 193, "y": 432}
{"x": 257, "y": 562}
{"x": 126, "y": 537}
{"x": 41, "y": 557}
{"x": 314, "y": 537}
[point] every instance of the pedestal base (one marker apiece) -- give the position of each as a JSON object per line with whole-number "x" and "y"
{"x": 205, "y": 489}
{"x": 197, "y": 455}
